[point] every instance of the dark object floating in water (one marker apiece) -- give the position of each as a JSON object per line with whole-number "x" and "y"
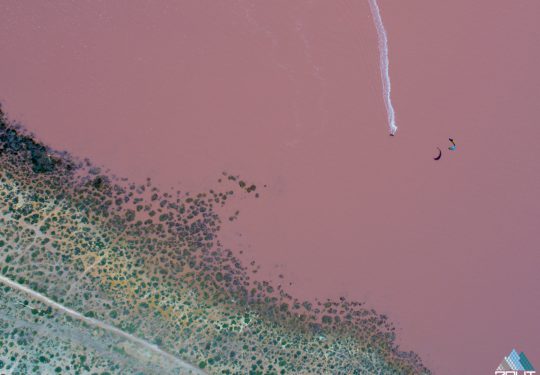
{"x": 391, "y": 134}
{"x": 453, "y": 147}
{"x": 438, "y": 156}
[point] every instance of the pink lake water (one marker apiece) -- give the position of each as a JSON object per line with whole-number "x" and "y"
{"x": 288, "y": 94}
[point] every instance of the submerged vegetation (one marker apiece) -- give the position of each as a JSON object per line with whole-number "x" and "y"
{"x": 151, "y": 264}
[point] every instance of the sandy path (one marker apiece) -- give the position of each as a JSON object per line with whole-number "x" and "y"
{"x": 96, "y": 323}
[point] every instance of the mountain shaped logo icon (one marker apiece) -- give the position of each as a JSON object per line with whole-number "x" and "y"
{"x": 515, "y": 363}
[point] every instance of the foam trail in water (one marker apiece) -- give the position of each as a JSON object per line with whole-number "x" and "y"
{"x": 383, "y": 62}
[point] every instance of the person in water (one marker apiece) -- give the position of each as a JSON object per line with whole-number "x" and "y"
{"x": 453, "y": 147}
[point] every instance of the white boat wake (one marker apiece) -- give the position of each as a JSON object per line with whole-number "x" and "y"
{"x": 384, "y": 65}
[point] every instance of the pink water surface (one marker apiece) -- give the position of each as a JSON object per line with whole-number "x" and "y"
{"x": 288, "y": 94}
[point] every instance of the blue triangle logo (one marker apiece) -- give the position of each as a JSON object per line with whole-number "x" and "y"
{"x": 515, "y": 362}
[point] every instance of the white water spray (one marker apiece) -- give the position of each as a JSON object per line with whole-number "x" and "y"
{"x": 383, "y": 64}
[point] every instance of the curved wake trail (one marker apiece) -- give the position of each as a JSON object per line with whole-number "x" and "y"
{"x": 384, "y": 64}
